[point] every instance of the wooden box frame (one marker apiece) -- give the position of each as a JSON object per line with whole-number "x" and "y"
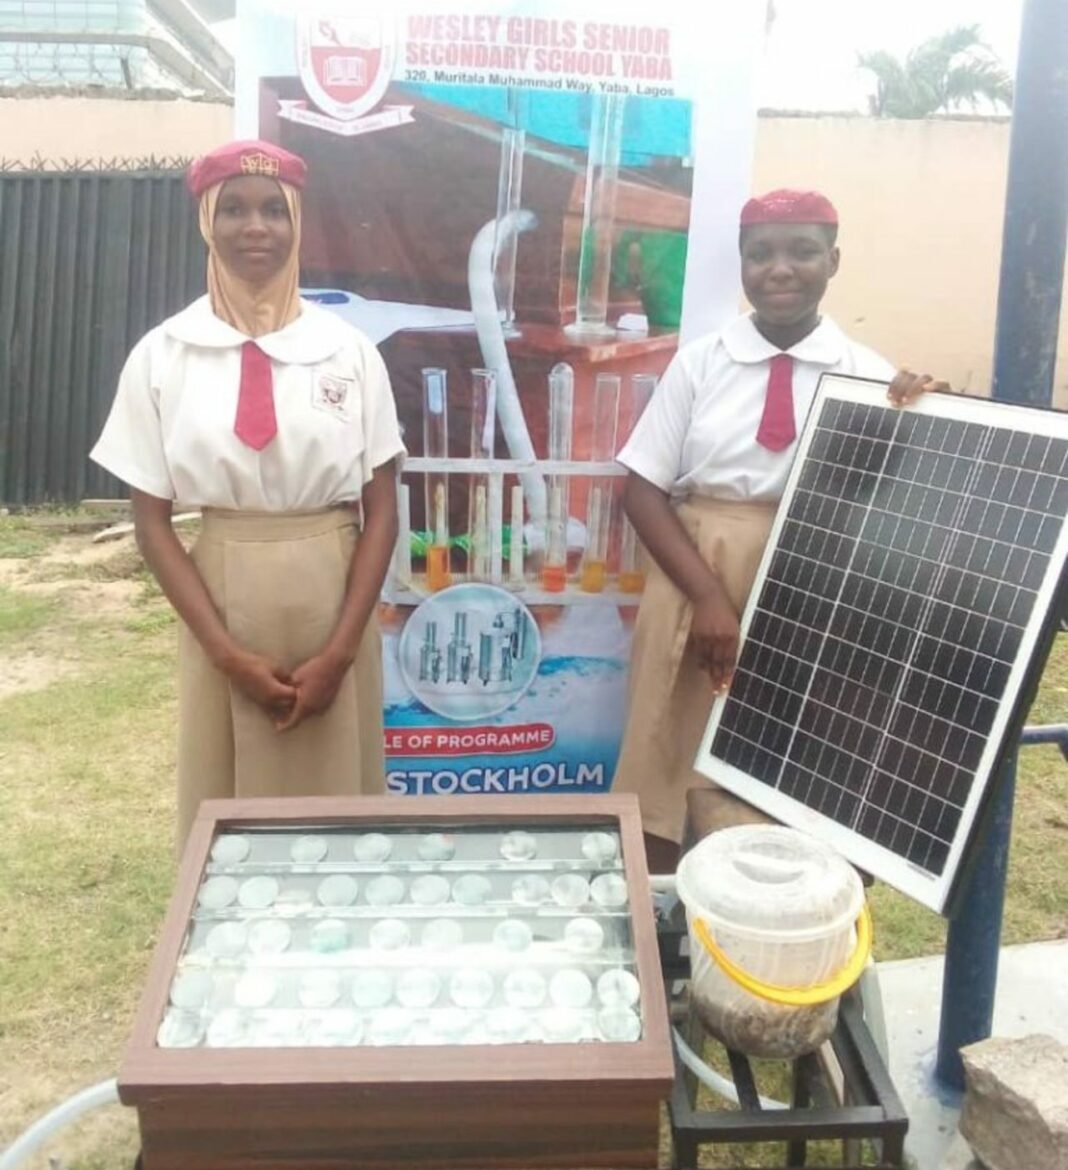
{"x": 523, "y": 1105}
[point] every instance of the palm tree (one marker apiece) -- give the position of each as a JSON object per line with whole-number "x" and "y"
{"x": 938, "y": 75}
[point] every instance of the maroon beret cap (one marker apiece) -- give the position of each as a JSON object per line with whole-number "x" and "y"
{"x": 237, "y": 159}
{"x": 785, "y": 206}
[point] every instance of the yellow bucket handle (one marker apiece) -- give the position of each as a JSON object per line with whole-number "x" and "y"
{"x": 795, "y": 996}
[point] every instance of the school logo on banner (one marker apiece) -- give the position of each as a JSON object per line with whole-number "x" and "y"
{"x": 346, "y": 65}
{"x": 345, "y": 62}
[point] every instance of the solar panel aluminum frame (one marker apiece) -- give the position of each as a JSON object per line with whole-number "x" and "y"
{"x": 936, "y": 891}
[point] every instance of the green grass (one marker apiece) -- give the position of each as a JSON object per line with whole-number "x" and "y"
{"x": 28, "y": 534}
{"x": 1036, "y": 902}
{"x": 19, "y": 540}
{"x": 86, "y": 770}
{"x": 123, "y": 564}
{"x": 88, "y": 796}
{"x": 151, "y": 622}
{"x": 86, "y": 816}
{"x": 21, "y": 615}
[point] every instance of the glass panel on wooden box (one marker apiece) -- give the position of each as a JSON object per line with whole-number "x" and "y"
{"x": 327, "y": 936}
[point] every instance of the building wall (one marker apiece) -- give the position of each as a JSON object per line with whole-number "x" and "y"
{"x": 66, "y": 128}
{"x": 921, "y": 204}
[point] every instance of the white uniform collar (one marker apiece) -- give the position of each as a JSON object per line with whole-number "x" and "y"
{"x": 314, "y": 336}
{"x": 824, "y": 346}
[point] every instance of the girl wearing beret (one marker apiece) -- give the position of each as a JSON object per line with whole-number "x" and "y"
{"x": 277, "y": 420}
{"x": 708, "y": 462}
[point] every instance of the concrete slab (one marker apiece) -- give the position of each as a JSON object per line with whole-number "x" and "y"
{"x": 1032, "y": 996}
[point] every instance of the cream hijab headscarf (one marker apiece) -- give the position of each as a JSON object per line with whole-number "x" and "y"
{"x": 252, "y": 309}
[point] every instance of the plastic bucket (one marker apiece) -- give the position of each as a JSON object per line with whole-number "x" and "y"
{"x": 778, "y": 930}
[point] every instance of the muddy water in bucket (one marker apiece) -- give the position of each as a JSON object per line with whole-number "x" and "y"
{"x": 772, "y": 917}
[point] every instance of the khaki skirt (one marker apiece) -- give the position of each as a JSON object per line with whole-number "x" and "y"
{"x": 670, "y": 693}
{"x": 279, "y": 582}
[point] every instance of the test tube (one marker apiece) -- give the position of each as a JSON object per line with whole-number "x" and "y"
{"x": 641, "y": 390}
{"x": 483, "y": 422}
{"x": 631, "y": 575}
{"x": 436, "y": 446}
{"x": 509, "y": 198}
{"x": 599, "y": 507}
{"x": 402, "y": 553}
{"x": 599, "y": 213}
{"x": 516, "y": 574}
{"x": 496, "y": 528}
{"x": 561, "y": 411}
{"x": 478, "y": 552}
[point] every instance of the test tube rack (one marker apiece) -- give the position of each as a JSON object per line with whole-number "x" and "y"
{"x": 406, "y": 586}
{"x": 552, "y": 579}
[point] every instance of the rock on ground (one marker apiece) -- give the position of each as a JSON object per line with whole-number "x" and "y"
{"x": 1016, "y": 1106}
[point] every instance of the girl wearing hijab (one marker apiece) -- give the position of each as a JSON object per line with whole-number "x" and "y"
{"x": 276, "y": 418}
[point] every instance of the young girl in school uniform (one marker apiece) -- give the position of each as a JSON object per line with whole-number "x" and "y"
{"x": 708, "y": 462}
{"x": 276, "y": 419}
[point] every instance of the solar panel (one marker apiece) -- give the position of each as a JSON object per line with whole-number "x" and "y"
{"x": 891, "y": 635}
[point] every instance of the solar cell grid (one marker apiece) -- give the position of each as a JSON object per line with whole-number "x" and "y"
{"x": 901, "y": 589}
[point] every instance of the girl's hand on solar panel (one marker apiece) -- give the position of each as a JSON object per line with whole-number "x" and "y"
{"x": 907, "y": 387}
{"x": 714, "y": 633}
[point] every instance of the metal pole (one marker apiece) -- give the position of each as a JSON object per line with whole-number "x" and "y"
{"x": 974, "y": 941}
{"x": 1025, "y": 352}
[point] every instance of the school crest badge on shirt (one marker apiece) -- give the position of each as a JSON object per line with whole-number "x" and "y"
{"x": 333, "y": 395}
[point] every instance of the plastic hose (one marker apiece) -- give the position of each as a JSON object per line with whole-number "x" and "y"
{"x": 871, "y": 1000}
{"x": 495, "y": 353}
{"x": 106, "y": 1093}
{"x": 664, "y": 883}
{"x": 709, "y": 1077}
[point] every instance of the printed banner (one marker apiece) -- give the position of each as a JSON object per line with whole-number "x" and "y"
{"x": 525, "y": 207}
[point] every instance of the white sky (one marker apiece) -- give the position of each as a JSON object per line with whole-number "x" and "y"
{"x": 810, "y": 57}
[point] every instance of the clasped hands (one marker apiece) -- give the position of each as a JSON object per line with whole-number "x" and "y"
{"x": 287, "y": 697}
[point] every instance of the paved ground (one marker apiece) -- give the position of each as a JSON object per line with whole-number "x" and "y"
{"x": 1032, "y": 997}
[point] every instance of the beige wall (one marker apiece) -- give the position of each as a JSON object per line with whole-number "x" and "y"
{"x": 58, "y": 128}
{"x": 921, "y": 206}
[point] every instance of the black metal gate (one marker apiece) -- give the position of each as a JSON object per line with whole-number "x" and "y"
{"x": 88, "y": 263}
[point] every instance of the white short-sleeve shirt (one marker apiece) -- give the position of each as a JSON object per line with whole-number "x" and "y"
{"x": 171, "y": 428}
{"x": 697, "y": 436}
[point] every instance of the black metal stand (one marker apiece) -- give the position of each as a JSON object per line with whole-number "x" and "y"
{"x": 864, "y": 1106}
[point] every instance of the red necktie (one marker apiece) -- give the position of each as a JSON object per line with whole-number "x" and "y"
{"x": 255, "y": 423}
{"x": 777, "y": 430}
